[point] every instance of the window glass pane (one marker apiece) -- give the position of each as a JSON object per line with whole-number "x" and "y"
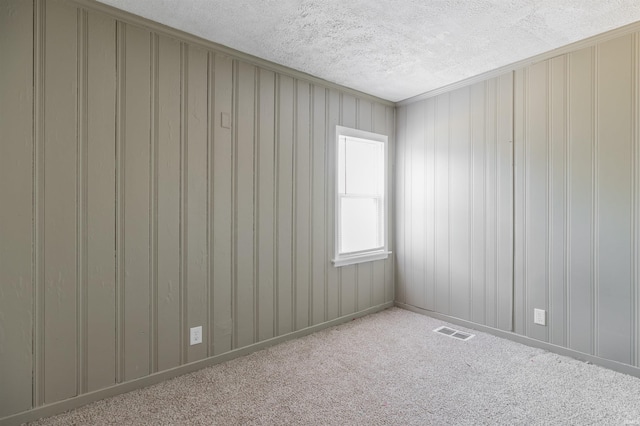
{"x": 363, "y": 167}
{"x": 360, "y": 224}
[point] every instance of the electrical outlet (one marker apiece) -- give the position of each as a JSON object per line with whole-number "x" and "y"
{"x": 539, "y": 316}
{"x": 196, "y": 335}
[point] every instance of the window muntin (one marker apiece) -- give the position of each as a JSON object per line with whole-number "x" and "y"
{"x": 361, "y": 186}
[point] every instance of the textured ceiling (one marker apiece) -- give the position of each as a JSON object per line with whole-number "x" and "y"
{"x": 394, "y": 49}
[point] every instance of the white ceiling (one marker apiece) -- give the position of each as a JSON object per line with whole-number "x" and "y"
{"x": 394, "y": 49}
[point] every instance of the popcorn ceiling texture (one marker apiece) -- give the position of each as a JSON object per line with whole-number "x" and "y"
{"x": 394, "y": 49}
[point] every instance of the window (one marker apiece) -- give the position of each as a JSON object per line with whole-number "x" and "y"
{"x": 361, "y": 197}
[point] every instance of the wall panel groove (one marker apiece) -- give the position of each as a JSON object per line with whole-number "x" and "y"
{"x": 340, "y": 121}
{"x": 276, "y": 206}
{"x": 594, "y": 200}
{"x": 313, "y": 217}
{"x": 211, "y": 122}
{"x": 184, "y": 134}
{"x": 234, "y": 203}
{"x": 153, "y": 206}
{"x": 549, "y": 302}
{"x": 636, "y": 194}
{"x": 568, "y": 202}
{"x": 256, "y": 204}
{"x": 634, "y": 201}
{"x": 81, "y": 196}
{"x": 210, "y": 194}
{"x": 120, "y": 176}
{"x": 39, "y": 58}
{"x": 294, "y": 209}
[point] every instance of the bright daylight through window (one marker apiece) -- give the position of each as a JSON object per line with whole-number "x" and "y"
{"x": 361, "y": 197}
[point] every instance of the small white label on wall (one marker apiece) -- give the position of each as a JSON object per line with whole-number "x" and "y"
{"x": 539, "y": 316}
{"x": 196, "y": 335}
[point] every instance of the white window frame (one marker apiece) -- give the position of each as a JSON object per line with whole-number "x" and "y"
{"x": 343, "y": 259}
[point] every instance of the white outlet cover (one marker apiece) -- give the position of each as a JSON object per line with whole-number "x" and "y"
{"x": 196, "y": 335}
{"x": 539, "y": 317}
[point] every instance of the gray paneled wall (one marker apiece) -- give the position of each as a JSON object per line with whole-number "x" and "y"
{"x": 454, "y": 203}
{"x": 576, "y": 187}
{"x": 577, "y": 194}
{"x": 150, "y": 185}
{"x": 16, "y": 207}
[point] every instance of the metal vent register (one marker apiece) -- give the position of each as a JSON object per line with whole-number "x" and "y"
{"x": 456, "y": 334}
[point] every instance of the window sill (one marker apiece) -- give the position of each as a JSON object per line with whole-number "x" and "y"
{"x": 361, "y": 258}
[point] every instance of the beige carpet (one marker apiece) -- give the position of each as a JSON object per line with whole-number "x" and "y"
{"x": 385, "y": 369}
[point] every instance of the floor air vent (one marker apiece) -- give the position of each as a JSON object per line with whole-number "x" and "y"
{"x": 456, "y": 334}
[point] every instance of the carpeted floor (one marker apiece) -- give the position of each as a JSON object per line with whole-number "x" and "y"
{"x": 388, "y": 368}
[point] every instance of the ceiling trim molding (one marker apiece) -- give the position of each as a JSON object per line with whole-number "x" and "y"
{"x": 580, "y": 44}
{"x": 130, "y": 18}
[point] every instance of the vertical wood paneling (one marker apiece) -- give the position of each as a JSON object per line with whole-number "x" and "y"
{"x": 39, "y": 56}
{"x": 119, "y": 213}
{"x": 284, "y": 239}
{"x": 364, "y": 285}
{"x": 537, "y": 196}
{"x": 266, "y": 205}
{"x": 430, "y": 204}
{"x": 136, "y": 203}
{"x": 416, "y": 250}
{"x": 479, "y": 107}
{"x": 302, "y": 179}
{"x": 168, "y": 202}
{"x": 460, "y": 204}
{"x": 101, "y": 201}
{"x": 16, "y": 214}
{"x": 196, "y": 199}
{"x": 349, "y": 110}
{"x": 636, "y": 194}
{"x": 557, "y": 197}
{"x": 580, "y": 200}
{"x": 333, "y": 274}
{"x": 319, "y": 229}
{"x": 184, "y": 197}
{"x": 244, "y": 254}
{"x": 491, "y": 208}
{"x": 60, "y": 219}
{"x": 576, "y": 120}
{"x": 491, "y": 205}
{"x": 400, "y": 206}
{"x": 614, "y": 230}
{"x": 504, "y": 202}
{"x": 455, "y": 203}
{"x": 81, "y": 201}
{"x": 222, "y": 209}
{"x": 442, "y": 236}
{"x": 154, "y": 112}
{"x": 520, "y": 141}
